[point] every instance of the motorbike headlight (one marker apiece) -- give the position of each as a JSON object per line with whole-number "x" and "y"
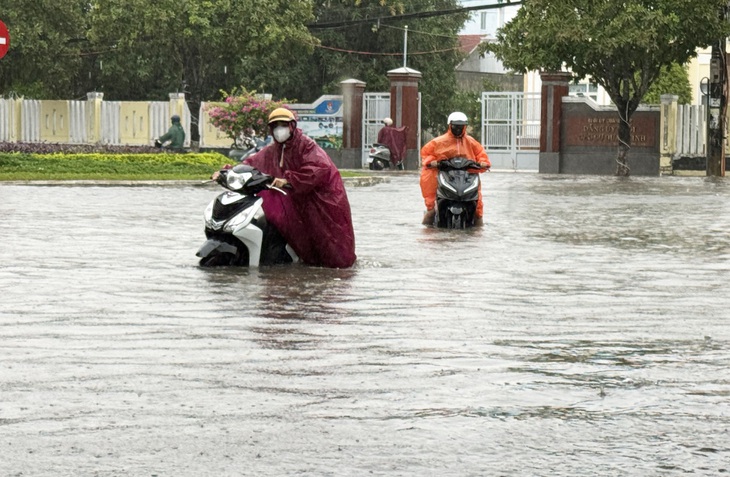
{"x": 243, "y": 218}
{"x": 445, "y": 183}
{"x": 472, "y": 187}
{"x": 235, "y": 181}
{"x": 208, "y": 217}
{"x": 239, "y": 220}
{"x": 208, "y": 214}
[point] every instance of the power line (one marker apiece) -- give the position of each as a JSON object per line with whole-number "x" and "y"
{"x": 373, "y": 53}
{"x": 410, "y": 30}
{"x": 406, "y": 16}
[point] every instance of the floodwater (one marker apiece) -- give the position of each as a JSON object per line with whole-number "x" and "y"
{"x": 584, "y": 331}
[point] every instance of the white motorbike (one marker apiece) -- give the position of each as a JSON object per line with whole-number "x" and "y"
{"x": 236, "y": 228}
{"x": 379, "y": 159}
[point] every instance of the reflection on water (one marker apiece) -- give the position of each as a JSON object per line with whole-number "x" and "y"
{"x": 582, "y": 331}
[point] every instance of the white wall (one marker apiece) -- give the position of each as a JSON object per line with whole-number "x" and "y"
{"x": 495, "y": 18}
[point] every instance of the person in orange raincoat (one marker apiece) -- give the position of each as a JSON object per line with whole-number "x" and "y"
{"x": 454, "y": 143}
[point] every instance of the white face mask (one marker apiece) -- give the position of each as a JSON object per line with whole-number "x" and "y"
{"x": 281, "y": 133}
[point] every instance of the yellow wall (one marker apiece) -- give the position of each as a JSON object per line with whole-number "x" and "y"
{"x": 54, "y": 125}
{"x": 134, "y": 125}
{"x": 214, "y": 137}
{"x": 697, "y": 69}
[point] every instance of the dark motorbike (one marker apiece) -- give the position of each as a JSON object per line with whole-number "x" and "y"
{"x": 457, "y": 193}
{"x": 236, "y": 228}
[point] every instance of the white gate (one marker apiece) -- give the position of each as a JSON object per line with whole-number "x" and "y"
{"x": 376, "y": 106}
{"x": 511, "y": 130}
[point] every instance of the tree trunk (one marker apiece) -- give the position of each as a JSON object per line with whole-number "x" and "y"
{"x": 624, "y": 145}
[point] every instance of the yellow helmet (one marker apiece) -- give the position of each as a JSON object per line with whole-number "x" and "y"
{"x": 281, "y": 114}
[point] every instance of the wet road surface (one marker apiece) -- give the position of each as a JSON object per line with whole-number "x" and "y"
{"x": 583, "y": 331}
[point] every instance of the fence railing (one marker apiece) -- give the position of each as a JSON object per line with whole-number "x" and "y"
{"x": 93, "y": 121}
{"x": 691, "y": 130}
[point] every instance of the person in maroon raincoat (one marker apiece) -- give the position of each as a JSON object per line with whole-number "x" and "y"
{"x": 395, "y": 139}
{"x": 314, "y": 217}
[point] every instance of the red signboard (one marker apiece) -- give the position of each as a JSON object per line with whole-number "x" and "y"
{"x": 4, "y": 39}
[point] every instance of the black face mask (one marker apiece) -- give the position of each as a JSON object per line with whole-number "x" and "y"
{"x": 457, "y": 129}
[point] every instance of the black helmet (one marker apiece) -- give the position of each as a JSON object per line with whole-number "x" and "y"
{"x": 175, "y": 118}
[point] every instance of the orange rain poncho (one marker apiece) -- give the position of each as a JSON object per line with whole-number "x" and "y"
{"x": 444, "y": 147}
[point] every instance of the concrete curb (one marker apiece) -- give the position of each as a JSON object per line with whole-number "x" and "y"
{"x": 364, "y": 181}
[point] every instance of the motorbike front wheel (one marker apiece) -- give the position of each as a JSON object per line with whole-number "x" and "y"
{"x": 224, "y": 259}
{"x": 376, "y": 165}
{"x": 218, "y": 260}
{"x": 455, "y": 222}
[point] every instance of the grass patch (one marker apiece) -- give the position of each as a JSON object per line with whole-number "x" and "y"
{"x": 161, "y": 166}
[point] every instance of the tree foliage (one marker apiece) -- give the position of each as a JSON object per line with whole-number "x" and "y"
{"x": 367, "y": 51}
{"x": 45, "y": 60}
{"x": 149, "y": 49}
{"x": 672, "y": 80}
{"x": 141, "y": 50}
{"x": 622, "y": 45}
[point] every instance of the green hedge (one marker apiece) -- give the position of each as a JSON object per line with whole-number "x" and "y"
{"x": 160, "y": 166}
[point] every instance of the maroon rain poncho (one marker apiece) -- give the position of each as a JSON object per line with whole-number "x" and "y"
{"x": 395, "y": 139}
{"x": 314, "y": 217}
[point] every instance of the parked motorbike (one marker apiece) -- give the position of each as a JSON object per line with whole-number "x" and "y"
{"x": 246, "y": 146}
{"x": 457, "y": 193}
{"x": 379, "y": 158}
{"x": 236, "y": 228}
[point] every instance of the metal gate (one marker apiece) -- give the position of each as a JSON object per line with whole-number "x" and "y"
{"x": 376, "y": 106}
{"x": 511, "y": 130}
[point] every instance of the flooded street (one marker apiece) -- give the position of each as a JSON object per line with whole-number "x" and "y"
{"x": 585, "y": 330}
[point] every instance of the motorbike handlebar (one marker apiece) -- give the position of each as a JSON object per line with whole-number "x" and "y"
{"x": 278, "y": 189}
{"x": 446, "y": 165}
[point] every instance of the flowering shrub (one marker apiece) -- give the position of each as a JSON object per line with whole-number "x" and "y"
{"x": 244, "y": 113}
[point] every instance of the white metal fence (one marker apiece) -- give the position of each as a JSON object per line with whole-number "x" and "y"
{"x": 510, "y": 129}
{"x": 691, "y": 130}
{"x": 376, "y": 106}
{"x": 30, "y": 117}
{"x": 114, "y": 129}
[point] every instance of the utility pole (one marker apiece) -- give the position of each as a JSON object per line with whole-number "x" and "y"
{"x": 405, "y": 47}
{"x": 717, "y": 104}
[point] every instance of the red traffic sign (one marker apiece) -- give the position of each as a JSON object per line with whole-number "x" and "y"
{"x": 4, "y": 39}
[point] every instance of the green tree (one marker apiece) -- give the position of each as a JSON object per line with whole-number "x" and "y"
{"x": 149, "y": 49}
{"x": 622, "y": 45}
{"x": 140, "y": 50}
{"x": 672, "y": 80}
{"x": 369, "y": 49}
{"x": 45, "y": 59}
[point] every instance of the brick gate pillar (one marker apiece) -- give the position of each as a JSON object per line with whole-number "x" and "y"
{"x": 352, "y": 98}
{"x": 404, "y": 109}
{"x": 555, "y": 85}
